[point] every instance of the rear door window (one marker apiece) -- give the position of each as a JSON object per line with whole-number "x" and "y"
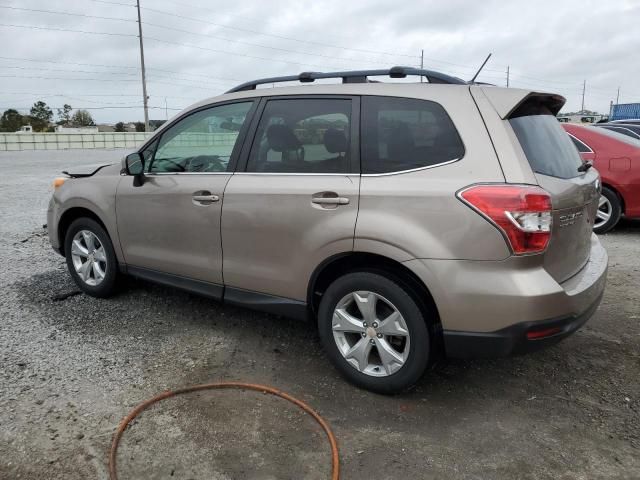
{"x": 400, "y": 134}
{"x": 303, "y": 136}
{"x": 548, "y": 148}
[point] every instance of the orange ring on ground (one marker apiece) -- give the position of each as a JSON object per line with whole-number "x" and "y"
{"x": 335, "y": 458}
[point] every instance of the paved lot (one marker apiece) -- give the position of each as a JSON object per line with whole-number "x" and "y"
{"x": 71, "y": 368}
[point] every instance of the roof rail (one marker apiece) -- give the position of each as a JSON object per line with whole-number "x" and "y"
{"x": 354, "y": 76}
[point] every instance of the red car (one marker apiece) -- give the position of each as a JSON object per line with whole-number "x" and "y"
{"x": 617, "y": 158}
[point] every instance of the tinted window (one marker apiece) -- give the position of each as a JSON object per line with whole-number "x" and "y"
{"x": 402, "y": 134}
{"x": 302, "y": 136}
{"x": 582, "y": 148}
{"x": 201, "y": 142}
{"x": 548, "y": 148}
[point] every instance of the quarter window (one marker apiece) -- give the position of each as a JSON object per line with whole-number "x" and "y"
{"x": 582, "y": 148}
{"x": 404, "y": 134}
{"x": 202, "y": 142}
{"x": 303, "y": 136}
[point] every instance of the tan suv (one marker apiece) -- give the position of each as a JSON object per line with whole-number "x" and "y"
{"x": 408, "y": 219}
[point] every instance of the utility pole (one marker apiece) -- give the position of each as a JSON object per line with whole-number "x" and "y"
{"x": 584, "y": 87}
{"x": 166, "y": 109}
{"x": 618, "y": 96}
{"x": 421, "y": 63}
{"x": 507, "y": 76}
{"x": 144, "y": 78}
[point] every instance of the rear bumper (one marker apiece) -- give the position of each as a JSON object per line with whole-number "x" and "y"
{"x": 513, "y": 340}
{"x": 488, "y": 308}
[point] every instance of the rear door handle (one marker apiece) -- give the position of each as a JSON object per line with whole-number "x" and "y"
{"x": 205, "y": 198}
{"x": 330, "y": 200}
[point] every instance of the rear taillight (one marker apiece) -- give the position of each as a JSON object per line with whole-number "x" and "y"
{"x": 521, "y": 212}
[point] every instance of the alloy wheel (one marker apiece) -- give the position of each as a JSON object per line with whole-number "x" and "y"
{"x": 604, "y": 212}
{"x": 89, "y": 257}
{"x": 370, "y": 333}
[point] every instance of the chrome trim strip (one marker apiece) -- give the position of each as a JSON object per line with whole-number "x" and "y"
{"x": 580, "y": 141}
{"x": 153, "y": 174}
{"x": 411, "y": 169}
{"x": 291, "y": 174}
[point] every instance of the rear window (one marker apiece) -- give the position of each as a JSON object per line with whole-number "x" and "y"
{"x": 400, "y": 134}
{"x": 548, "y": 148}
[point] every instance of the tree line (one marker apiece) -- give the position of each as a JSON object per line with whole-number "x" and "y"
{"x": 41, "y": 116}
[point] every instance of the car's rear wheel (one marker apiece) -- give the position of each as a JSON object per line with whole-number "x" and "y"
{"x": 609, "y": 211}
{"x": 91, "y": 259}
{"x": 374, "y": 332}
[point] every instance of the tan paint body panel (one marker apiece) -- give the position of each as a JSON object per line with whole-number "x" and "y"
{"x": 97, "y": 194}
{"x": 417, "y": 215}
{"x": 513, "y": 161}
{"x": 161, "y": 227}
{"x": 273, "y": 236}
{"x": 477, "y": 296}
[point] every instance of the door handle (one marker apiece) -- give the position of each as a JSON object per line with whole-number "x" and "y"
{"x": 330, "y": 200}
{"x": 205, "y": 198}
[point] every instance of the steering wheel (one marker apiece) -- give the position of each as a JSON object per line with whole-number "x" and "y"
{"x": 205, "y": 163}
{"x": 172, "y": 162}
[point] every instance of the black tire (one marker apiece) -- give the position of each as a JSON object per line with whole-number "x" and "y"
{"x": 419, "y": 348}
{"x": 616, "y": 211}
{"x": 107, "y": 286}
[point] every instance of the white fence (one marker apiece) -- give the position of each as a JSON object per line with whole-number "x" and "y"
{"x": 64, "y": 141}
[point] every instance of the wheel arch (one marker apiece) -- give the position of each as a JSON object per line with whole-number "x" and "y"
{"x": 72, "y": 214}
{"x": 618, "y": 194}
{"x": 341, "y": 264}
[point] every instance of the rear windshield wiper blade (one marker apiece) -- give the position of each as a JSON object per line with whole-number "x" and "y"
{"x": 585, "y": 166}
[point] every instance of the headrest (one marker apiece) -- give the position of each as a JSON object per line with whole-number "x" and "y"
{"x": 335, "y": 141}
{"x": 281, "y": 138}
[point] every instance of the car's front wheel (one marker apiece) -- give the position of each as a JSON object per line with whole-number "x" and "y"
{"x": 374, "y": 332}
{"x": 91, "y": 259}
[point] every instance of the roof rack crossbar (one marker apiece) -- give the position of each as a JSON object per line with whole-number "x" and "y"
{"x": 354, "y": 76}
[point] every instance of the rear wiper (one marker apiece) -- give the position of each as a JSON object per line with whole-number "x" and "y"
{"x": 585, "y": 166}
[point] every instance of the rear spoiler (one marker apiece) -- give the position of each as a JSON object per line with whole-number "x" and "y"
{"x": 515, "y": 102}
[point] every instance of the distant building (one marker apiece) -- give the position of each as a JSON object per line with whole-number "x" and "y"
{"x": 25, "y": 129}
{"x": 106, "y": 128}
{"x": 581, "y": 118}
{"x": 63, "y": 129}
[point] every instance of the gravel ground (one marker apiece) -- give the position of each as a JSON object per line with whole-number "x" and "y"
{"x": 72, "y": 366}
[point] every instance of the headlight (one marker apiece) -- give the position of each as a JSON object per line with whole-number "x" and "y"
{"x": 58, "y": 182}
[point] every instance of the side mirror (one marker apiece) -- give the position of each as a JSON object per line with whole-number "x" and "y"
{"x": 134, "y": 165}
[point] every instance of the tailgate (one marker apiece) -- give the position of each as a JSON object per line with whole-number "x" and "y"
{"x": 574, "y": 194}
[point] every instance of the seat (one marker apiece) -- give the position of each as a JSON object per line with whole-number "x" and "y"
{"x": 280, "y": 138}
{"x": 401, "y": 147}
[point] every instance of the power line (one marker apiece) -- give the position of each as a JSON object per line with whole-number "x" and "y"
{"x": 35, "y": 27}
{"x": 72, "y": 14}
{"x": 117, "y": 66}
{"x": 113, "y": 3}
{"x": 246, "y": 30}
{"x": 66, "y": 70}
{"x": 242, "y": 42}
{"x": 96, "y": 108}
